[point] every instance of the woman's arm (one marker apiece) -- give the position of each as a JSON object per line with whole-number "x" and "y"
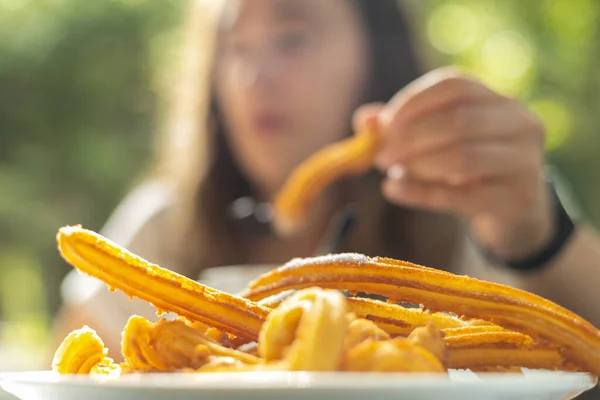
{"x": 573, "y": 278}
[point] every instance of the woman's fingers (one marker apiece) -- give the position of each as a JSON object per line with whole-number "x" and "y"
{"x": 466, "y": 200}
{"x": 504, "y": 199}
{"x": 453, "y": 145}
{"x": 364, "y": 114}
{"x": 473, "y": 161}
{"x": 415, "y": 194}
{"x": 432, "y": 92}
{"x": 449, "y": 128}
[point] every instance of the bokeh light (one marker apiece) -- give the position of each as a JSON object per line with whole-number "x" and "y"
{"x": 557, "y": 121}
{"x": 453, "y": 28}
{"x": 507, "y": 55}
{"x": 572, "y": 21}
{"x": 506, "y": 59}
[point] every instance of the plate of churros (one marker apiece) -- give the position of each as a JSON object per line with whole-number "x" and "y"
{"x": 301, "y": 331}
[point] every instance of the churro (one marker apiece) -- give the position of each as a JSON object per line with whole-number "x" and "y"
{"x": 441, "y": 291}
{"x": 299, "y": 319}
{"x": 352, "y": 156}
{"x": 168, "y": 291}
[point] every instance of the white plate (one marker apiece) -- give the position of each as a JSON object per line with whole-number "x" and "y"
{"x": 299, "y": 386}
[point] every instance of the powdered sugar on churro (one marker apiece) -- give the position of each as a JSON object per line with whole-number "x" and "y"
{"x": 329, "y": 259}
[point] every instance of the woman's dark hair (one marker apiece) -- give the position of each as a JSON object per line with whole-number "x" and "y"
{"x": 394, "y": 59}
{"x": 210, "y": 237}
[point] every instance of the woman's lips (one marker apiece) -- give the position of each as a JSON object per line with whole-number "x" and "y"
{"x": 270, "y": 123}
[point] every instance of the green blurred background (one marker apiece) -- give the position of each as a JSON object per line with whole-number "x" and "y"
{"x": 82, "y": 87}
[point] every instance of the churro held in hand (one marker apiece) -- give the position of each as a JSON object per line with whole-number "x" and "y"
{"x": 352, "y": 156}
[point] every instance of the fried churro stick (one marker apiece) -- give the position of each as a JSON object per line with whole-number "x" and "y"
{"x": 397, "y": 320}
{"x": 360, "y": 330}
{"x": 392, "y": 318}
{"x": 394, "y": 355}
{"x": 172, "y": 346}
{"x": 508, "y": 307}
{"x": 168, "y": 291}
{"x": 137, "y": 348}
{"x": 469, "y": 342}
{"x": 352, "y": 156}
{"x": 82, "y": 352}
{"x": 307, "y": 332}
{"x": 477, "y": 336}
{"x": 431, "y": 338}
{"x": 482, "y": 345}
{"x": 488, "y": 347}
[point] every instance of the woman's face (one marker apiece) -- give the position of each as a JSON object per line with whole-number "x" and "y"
{"x": 289, "y": 74}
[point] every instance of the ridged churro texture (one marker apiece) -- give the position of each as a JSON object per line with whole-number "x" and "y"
{"x": 311, "y": 331}
{"x": 505, "y": 306}
{"x": 301, "y": 320}
{"x": 82, "y": 352}
{"x": 352, "y": 156}
{"x": 172, "y": 346}
{"x": 466, "y": 343}
{"x": 168, "y": 291}
{"x": 307, "y": 331}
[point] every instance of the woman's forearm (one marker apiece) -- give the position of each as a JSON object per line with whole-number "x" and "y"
{"x": 573, "y": 278}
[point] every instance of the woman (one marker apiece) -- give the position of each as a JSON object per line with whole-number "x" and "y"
{"x": 269, "y": 82}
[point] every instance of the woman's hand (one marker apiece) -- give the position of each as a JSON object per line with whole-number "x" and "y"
{"x": 454, "y": 145}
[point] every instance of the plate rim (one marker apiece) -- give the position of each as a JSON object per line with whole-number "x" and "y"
{"x": 299, "y": 380}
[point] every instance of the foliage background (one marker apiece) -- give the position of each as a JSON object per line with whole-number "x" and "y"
{"x": 80, "y": 93}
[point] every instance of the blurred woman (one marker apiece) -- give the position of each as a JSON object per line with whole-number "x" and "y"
{"x": 458, "y": 184}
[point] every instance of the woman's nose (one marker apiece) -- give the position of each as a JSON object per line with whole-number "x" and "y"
{"x": 259, "y": 70}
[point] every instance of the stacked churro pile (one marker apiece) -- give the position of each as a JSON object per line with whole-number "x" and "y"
{"x": 297, "y": 318}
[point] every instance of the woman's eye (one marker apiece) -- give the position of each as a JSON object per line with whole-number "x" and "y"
{"x": 292, "y": 41}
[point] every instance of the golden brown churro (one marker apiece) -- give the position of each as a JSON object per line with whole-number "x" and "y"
{"x": 310, "y": 325}
{"x": 352, "y": 156}
{"x": 442, "y": 291}
{"x": 168, "y": 291}
{"x": 81, "y": 352}
{"x": 394, "y": 355}
{"x": 393, "y": 318}
{"x": 533, "y": 357}
{"x": 398, "y": 320}
{"x": 493, "y": 346}
{"x": 172, "y": 346}
{"x": 307, "y": 332}
{"x": 360, "y": 330}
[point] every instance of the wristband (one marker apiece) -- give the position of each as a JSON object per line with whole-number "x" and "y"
{"x": 537, "y": 261}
